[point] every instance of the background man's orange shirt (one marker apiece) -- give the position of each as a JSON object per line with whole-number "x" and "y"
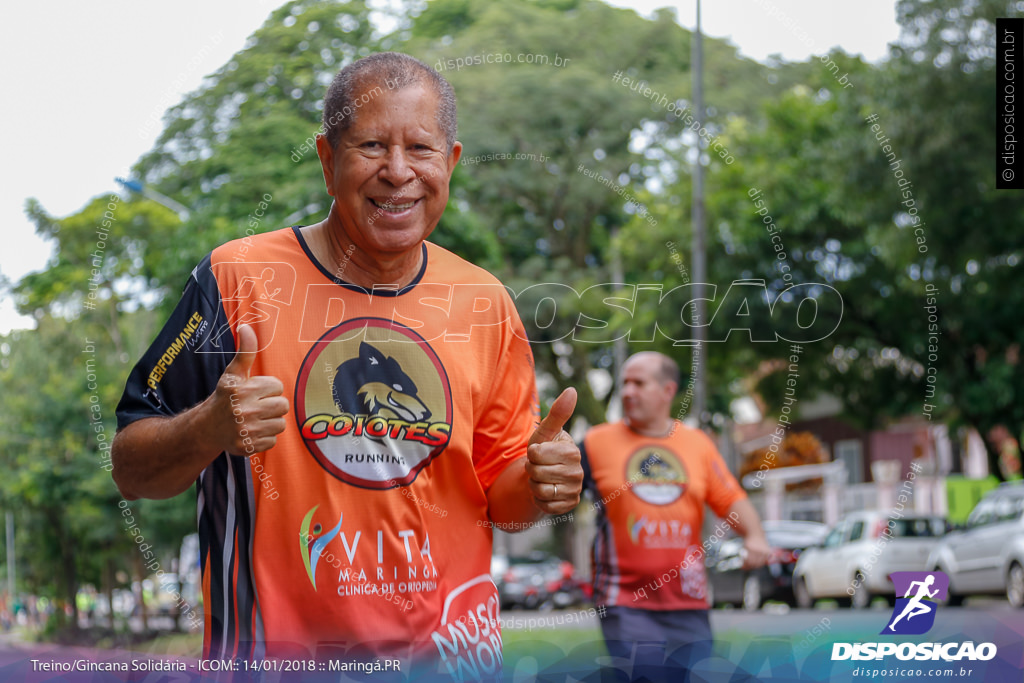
{"x": 650, "y": 495}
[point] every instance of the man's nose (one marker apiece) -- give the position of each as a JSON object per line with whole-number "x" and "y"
{"x": 396, "y": 170}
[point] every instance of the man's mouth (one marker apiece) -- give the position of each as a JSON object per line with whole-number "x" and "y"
{"x": 393, "y": 206}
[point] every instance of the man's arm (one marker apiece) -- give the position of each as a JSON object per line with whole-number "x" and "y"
{"x": 160, "y": 457}
{"x": 547, "y": 481}
{"x": 745, "y": 520}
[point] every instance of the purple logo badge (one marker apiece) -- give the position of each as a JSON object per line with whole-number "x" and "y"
{"x": 916, "y": 596}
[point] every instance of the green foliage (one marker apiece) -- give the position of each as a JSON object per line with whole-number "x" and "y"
{"x": 563, "y": 116}
{"x": 847, "y": 219}
{"x": 248, "y": 132}
{"x": 109, "y": 241}
{"x": 554, "y": 223}
{"x": 54, "y": 399}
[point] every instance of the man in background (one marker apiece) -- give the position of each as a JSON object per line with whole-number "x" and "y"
{"x": 650, "y": 476}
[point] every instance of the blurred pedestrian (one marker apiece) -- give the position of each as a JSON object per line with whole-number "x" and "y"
{"x": 650, "y": 477}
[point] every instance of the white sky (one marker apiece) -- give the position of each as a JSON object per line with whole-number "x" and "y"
{"x": 86, "y": 84}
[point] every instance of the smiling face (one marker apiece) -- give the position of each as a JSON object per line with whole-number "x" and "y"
{"x": 389, "y": 173}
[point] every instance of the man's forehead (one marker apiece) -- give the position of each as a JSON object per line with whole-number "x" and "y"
{"x": 384, "y": 103}
{"x": 378, "y": 127}
{"x": 373, "y": 85}
{"x": 640, "y": 367}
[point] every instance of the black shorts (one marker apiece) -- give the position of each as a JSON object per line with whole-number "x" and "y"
{"x": 656, "y": 645}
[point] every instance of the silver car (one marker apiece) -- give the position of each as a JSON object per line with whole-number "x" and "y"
{"x": 987, "y": 556}
{"x": 853, "y": 563}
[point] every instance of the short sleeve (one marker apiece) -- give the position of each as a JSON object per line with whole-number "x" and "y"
{"x": 723, "y": 489}
{"x": 511, "y": 412}
{"x": 188, "y": 356}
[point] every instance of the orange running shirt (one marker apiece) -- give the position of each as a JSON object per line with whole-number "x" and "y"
{"x": 650, "y": 495}
{"x": 365, "y": 529}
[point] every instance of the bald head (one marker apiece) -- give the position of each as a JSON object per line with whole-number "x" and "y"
{"x": 666, "y": 369}
{"x": 361, "y": 80}
{"x": 649, "y": 384}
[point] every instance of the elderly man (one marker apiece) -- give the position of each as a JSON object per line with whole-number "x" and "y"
{"x": 355, "y": 405}
{"x": 651, "y": 476}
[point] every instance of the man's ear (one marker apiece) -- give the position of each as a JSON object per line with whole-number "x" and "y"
{"x": 326, "y": 154}
{"x": 454, "y": 157}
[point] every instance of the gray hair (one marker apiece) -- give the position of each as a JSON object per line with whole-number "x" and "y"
{"x": 394, "y": 70}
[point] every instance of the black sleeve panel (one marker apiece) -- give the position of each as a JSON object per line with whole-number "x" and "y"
{"x": 188, "y": 356}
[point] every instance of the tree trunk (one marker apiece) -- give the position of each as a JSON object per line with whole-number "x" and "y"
{"x": 176, "y": 609}
{"x": 140, "y": 595}
{"x": 67, "y": 582}
{"x": 115, "y": 332}
{"x": 983, "y": 425}
{"x": 108, "y": 589}
{"x": 71, "y": 581}
{"x": 1015, "y": 434}
{"x": 992, "y": 454}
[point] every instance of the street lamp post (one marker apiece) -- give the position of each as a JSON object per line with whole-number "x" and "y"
{"x": 699, "y": 229}
{"x": 9, "y": 519}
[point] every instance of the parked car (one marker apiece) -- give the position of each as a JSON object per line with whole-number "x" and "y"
{"x": 536, "y": 581}
{"x": 729, "y": 583}
{"x": 987, "y": 556}
{"x": 853, "y": 563}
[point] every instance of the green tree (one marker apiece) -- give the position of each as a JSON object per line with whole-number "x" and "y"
{"x": 241, "y": 145}
{"x": 61, "y": 384}
{"x": 56, "y": 389}
{"x": 944, "y": 73}
{"x": 884, "y": 239}
{"x": 536, "y": 79}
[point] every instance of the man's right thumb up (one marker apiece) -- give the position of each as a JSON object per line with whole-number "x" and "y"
{"x": 241, "y": 364}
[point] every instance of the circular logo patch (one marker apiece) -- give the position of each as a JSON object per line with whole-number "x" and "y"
{"x": 657, "y": 475}
{"x": 373, "y": 403}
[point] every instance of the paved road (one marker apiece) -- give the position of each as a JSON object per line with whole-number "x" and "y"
{"x": 778, "y": 619}
{"x": 775, "y": 619}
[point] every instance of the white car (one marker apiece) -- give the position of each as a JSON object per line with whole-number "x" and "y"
{"x": 987, "y": 556}
{"x": 853, "y": 563}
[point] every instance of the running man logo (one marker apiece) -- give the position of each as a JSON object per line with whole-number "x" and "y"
{"x": 914, "y": 613}
{"x": 260, "y": 293}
